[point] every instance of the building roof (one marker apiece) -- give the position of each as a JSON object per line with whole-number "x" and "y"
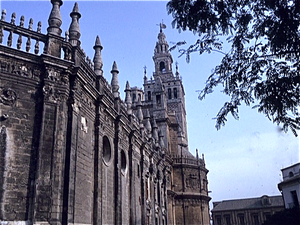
{"x": 249, "y": 203}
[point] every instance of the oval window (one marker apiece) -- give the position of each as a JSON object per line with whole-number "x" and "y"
{"x": 106, "y": 149}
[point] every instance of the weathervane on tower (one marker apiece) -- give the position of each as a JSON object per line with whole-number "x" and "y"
{"x": 162, "y": 25}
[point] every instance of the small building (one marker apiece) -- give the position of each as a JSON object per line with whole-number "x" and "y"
{"x": 249, "y": 211}
{"x": 290, "y": 186}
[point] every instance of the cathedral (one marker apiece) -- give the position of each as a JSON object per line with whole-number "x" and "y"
{"x": 73, "y": 152}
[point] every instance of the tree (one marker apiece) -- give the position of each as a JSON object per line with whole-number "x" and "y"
{"x": 261, "y": 67}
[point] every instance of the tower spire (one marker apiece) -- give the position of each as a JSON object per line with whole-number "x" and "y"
{"x": 162, "y": 57}
{"x": 98, "y": 63}
{"x": 128, "y": 99}
{"x": 115, "y": 81}
{"x": 145, "y": 74}
{"x": 54, "y": 20}
{"x": 74, "y": 30}
{"x": 177, "y": 72}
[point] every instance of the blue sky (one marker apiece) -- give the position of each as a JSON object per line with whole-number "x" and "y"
{"x": 245, "y": 157}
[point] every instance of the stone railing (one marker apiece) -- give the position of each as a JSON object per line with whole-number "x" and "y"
{"x": 22, "y": 33}
{"x": 177, "y": 159}
{"x": 32, "y": 41}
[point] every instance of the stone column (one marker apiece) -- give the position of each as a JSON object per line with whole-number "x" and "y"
{"x": 118, "y": 190}
{"x": 50, "y": 155}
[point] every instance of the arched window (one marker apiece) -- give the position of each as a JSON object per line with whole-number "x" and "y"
{"x": 162, "y": 66}
{"x": 106, "y": 149}
{"x": 133, "y": 97}
{"x": 149, "y": 95}
{"x": 169, "y": 93}
{"x": 123, "y": 161}
{"x": 175, "y": 92}
{"x": 158, "y": 100}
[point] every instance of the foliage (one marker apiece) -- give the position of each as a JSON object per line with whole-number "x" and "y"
{"x": 261, "y": 67}
{"x": 285, "y": 217}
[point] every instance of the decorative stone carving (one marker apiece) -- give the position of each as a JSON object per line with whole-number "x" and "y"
{"x": 13, "y": 18}
{"x": 3, "y": 15}
{"x": 30, "y": 24}
{"x": 8, "y": 96}
{"x": 52, "y": 74}
{"x": 22, "y": 21}
{"x": 84, "y": 126}
{"x": 50, "y": 94}
{"x": 192, "y": 182}
{"x": 56, "y": 76}
{"x": 19, "y": 69}
{"x": 76, "y": 106}
{"x": 39, "y": 27}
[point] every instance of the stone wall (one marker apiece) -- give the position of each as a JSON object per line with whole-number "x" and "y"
{"x": 72, "y": 152}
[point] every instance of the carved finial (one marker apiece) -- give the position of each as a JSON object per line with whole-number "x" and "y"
{"x": 54, "y": 20}
{"x": 127, "y": 86}
{"x": 67, "y": 36}
{"x": 148, "y": 124}
{"x": 177, "y": 73}
{"x": 30, "y": 24}
{"x": 161, "y": 140}
{"x": 13, "y": 18}
{"x": 140, "y": 112}
{"x": 145, "y": 74}
{"x": 128, "y": 99}
{"x": 74, "y": 29}
{"x": 98, "y": 63}
{"x": 114, "y": 67}
{"x": 3, "y": 15}
{"x": 197, "y": 156}
{"x": 155, "y": 131}
{"x": 22, "y": 21}
{"x": 114, "y": 80}
{"x": 39, "y": 27}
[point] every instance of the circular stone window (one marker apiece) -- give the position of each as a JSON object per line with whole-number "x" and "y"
{"x": 106, "y": 149}
{"x": 123, "y": 161}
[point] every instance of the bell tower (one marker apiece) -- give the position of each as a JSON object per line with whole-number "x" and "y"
{"x": 164, "y": 94}
{"x": 162, "y": 58}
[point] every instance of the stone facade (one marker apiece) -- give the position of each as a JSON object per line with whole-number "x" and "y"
{"x": 249, "y": 211}
{"x": 73, "y": 152}
{"x": 290, "y": 186}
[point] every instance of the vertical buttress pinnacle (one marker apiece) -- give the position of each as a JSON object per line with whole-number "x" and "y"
{"x": 54, "y": 20}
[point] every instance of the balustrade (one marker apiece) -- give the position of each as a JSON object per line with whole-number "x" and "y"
{"x": 34, "y": 40}
{"x": 187, "y": 160}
